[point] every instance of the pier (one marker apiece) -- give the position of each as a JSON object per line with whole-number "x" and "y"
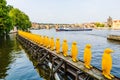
{"x": 114, "y": 37}
{"x": 59, "y": 63}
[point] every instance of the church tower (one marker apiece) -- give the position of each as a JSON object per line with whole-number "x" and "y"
{"x": 109, "y": 22}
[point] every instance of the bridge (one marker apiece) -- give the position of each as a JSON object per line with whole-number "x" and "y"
{"x": 49, "y": 26}
{"x": 44, "y": 54}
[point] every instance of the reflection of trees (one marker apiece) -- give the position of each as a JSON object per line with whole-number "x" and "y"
{"x": 43, "y": 69}
{"x": 7, "y": 45}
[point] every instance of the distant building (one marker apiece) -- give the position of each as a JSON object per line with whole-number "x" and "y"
{"x": 109, "y": 22}
{"x": 114, "y": 24}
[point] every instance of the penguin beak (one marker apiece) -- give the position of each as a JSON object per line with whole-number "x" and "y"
{"x": 111, "y": 51}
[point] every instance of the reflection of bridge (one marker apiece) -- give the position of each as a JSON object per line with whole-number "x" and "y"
{"x": 49, "y": 26}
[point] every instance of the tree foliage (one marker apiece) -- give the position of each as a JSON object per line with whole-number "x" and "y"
{"x": 20, "y": 19}
{"x": 99, "y": 24}
{"x": 5, "y": 20}
{"x": 10, "y": 17}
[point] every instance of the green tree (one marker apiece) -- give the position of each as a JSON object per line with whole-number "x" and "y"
{"x": 10, "y": 17}
{"x": 20, "y": 19}
{"x": 99, "y": 24}
{"x": 5, "y": 20}
{"x": 9, "y": 7}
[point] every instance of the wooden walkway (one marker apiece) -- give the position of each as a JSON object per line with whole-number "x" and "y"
{"x": 75, "y": 68}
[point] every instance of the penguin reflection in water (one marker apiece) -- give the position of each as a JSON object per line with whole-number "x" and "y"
{"x": 87, "y": 56}
{"x": 107, "y": 63}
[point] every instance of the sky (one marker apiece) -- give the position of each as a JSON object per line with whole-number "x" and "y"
{"x": 68, "y": 11}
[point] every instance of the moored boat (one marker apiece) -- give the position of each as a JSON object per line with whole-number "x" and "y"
{"x": 74, "y": 29}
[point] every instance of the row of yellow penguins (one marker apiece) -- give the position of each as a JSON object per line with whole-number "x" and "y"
{"x": 49, "y": 43}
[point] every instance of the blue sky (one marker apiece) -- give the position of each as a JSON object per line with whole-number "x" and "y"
{"x": 68, "y": 11}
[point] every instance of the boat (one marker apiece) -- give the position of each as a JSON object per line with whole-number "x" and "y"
{"x": 74, "y": 29}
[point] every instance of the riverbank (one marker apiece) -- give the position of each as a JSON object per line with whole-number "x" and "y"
{"x": 106, "y": 28}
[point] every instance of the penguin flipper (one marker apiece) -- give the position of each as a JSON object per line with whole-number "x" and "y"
{"x": 107, "y": 76}
{"x": 111, "y": 75}
{"x": 88, "y": 67}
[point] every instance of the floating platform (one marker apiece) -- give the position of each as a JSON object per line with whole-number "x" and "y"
{"x": 114, "y": 37}
{"x": 61, "y": 63}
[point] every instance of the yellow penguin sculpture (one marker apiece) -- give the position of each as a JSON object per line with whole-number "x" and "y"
{"x": 45, "y": 40}
{"x": 52, "y": 43}
{"x": 41, "y": 40}
{"x": 48, "y": 42}
{"x": 74, "y": 51}
{"x": 57, "y": 45}
{"x": 107, "y": 63}
{"x": 65, "y": 48}
{"x": 87, "y": 56}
